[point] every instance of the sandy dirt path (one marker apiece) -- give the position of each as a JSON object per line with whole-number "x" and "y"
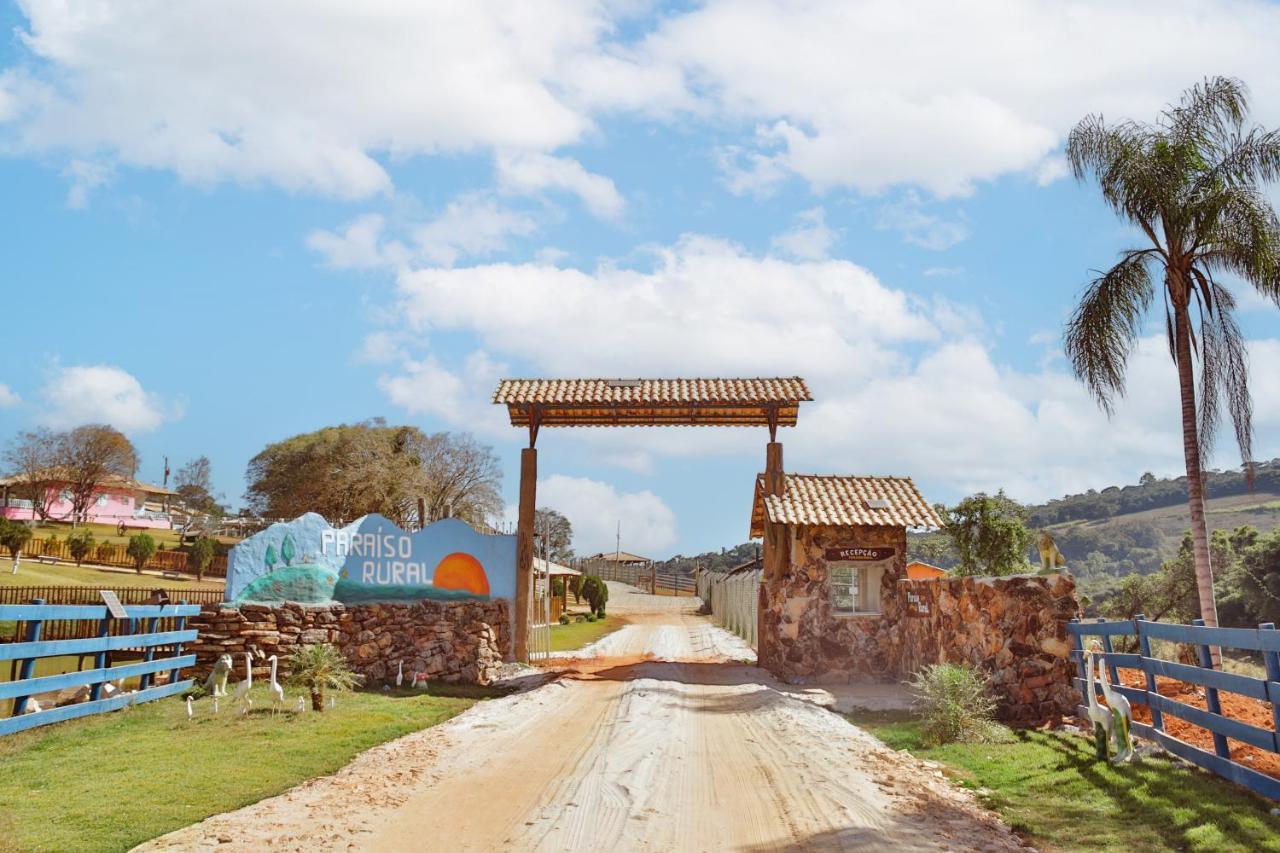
{"x": 657, "y": 738}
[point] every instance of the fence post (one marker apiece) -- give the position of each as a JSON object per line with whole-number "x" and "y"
{"x": 1077, "y": 641}
{"x": 1212, "y": 704}
{"x": 28, "y": 664}
{"x": 1272, "y": 661}
{"x": 177, "y": 649}
{"x": 1144, "y": 642}
{"x": 145, "y": 680}
{"x": 1111, "y": 667}
{"x": 100, "y": 659}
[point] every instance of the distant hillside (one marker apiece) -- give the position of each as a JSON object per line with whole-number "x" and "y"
{"x": 725, "y": 558}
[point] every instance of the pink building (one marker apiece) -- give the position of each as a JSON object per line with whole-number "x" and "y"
{"x": 118, "y": 500}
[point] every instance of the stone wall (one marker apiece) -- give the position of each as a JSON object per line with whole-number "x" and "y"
{"x": 1015, "y": 628}
{"x": 450, "y": 641}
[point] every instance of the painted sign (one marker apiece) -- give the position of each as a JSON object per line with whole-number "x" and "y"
{"x": 370, "y": 560}
{"x": 859, "y": 554}
{"x": 916, "y": 606}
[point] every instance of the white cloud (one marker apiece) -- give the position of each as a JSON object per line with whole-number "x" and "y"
{"x": 84, "y": 177}
{"x": 8, "y": 397}
{"x": 1052, "y": 169}
{"x": 908, "y": 217}
{"x": 470, "y": 225}
{"x": 531, "y": 173}
{"x": 102, "y": 394}
{"x": 595, "y": 509}
{"x": 360, "y": 245}
{"x": 901, "y": 385}
{"x": 810, "y": 239}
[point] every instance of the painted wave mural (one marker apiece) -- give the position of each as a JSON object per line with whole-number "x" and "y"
{"x": 309, "y": 561}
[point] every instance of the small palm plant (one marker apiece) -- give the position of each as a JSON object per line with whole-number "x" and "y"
{"x": 319, "y": 668}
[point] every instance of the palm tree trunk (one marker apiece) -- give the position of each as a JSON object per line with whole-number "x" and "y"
{"x": 1195, "y": 482}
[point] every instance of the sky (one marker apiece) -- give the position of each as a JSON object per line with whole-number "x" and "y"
{"x": 223, "y": 224}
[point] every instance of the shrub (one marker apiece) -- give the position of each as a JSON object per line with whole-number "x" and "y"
{"x": 591, "y": 617}
{"x": 80, "y": 544}
{"x": 557, "y": 587}
{"x": 575, "y": 587}
{"x": 319, "y": 668}
{"x": 141, "y": 548}
{"x": 105, "y": 552}
{"x": 596, "y": 593}
{"x": 564, "y": 620}
{"x": 14, "y": 537}
{"x": 956, "y": 704}
{"x": 200, "y": 555}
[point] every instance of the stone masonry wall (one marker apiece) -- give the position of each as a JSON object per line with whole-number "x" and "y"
{"x": 1014, "y": 627}
{"x": 450, "y": 641}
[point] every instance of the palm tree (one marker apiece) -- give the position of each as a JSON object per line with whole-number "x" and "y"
{"x": 1191, "y": 183}
{"x": 318, "y": 668}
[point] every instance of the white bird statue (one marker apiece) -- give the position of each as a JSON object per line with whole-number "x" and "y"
{"x": 1121, "y": 716}
{"x": 400, "y": 674}
{"x": 33, "y": 707}
{"x": 215, "y": 704}
{"x": 302, "y": 706}
{"x": 333, "y": 701}
{"x": 242, "y": 696}
{"x": 190, "y": 711}
{"x": 1100, "y": 716}
{"x": 277, "y": 692}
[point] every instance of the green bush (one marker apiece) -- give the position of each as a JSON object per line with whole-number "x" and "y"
{"x": 200, "y": 556}
{"x": 596, "y": 592}
{"x": 319, "y": 668}
{"x": 105, "y": 551}
{"x": 591, "y": 617}
{"x": 956, "y": 705}
{"x": 141, "y": 548}
{"x": 14, "y": 536}
{"x": 564, "y": 620}
{"x": 80, "y": 544}
{"x": 557, "y": 587}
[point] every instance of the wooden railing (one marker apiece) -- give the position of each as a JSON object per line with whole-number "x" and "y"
{"x": 1265, "y": 639}
{"x": 644, "y": 578}
{"x": 73, "y": 629}
{"x": 109, "y": 554}
{"x": 147, "y": 642}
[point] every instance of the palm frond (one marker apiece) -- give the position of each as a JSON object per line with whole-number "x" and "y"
{"x": 1224, "y": 374}
{"x": 1105, "y": 326}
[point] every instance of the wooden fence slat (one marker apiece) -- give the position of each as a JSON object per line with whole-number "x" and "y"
{"x": 54, "y": 648}
{"x": 1101, "y": 629}
{"x": 1272, "y": 662}
{"x": 1220, "y": 725}
{"x": 96, "y": 677}
{"x": 1244, "y": 685}
{"x": 1144, "y": 644}
{"x": 1261, "y": 783}
{"x": 1211, "y": 696}
{"x": 25, "y": 612}
{"x": 1118, "y": 660}
{"x": 1251, "y": 639}
{"x": 1135, "y": 695}
{"x": 84, "y": 709}
{"x": 28, "y": 662}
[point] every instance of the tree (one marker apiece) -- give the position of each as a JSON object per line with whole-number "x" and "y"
{"x": 287, "y": 550}
{"x": 558, "y": 532}
{"x": 319, "y": 668}
{"x": 80, "y": 544}
{"x": 141, "y": 548}
{"x": 1260, "y": 578}
{"x": 14, "y": 537}
{"x": 31, "y": 460}
{"x": 1192, "y": 183}
{"x": 194, "y": 485}
{"x": 988, "y": 534}
{"x": 461, "y": 478}
{"x": 89, "y": 457}
{"x": 596, "y": 593}
{"x": 201, "y": 555}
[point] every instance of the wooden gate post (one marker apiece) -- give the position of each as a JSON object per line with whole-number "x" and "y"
{"x": 524, "y": 549}
{"x": 774, "y": 552}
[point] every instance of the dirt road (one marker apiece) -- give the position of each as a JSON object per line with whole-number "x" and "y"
{"x": 657, "y": 740}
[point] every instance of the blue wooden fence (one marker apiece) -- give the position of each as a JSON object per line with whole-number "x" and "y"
{"x": 1265, "y": 639}
{"x": 144, "y": 643}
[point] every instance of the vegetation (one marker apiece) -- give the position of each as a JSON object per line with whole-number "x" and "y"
{"x": 1049, "y": 787}
{"x": 574, "y": 635}
{"x": 344, "y": 472}
{"x": 557, "y": 532}
{"x": 725, "y": 558}
{"x": 33, "y": 573}
{"x": 80, "y": 544}
{"x": 174, "y": 772}
{"x": 956, "y": 705}
{"x": 596, "y": 592}
{"x": 1193, "y": 183}
{"x": 200, "y": 556}
{"x": 13, "y": 537}
{"x": 988, "y": 534}
{"x": 194, "y": 485}
{"x": 318, "y": 668}
{"x": 142, "y": 547}
{"x": 79, "y": 461}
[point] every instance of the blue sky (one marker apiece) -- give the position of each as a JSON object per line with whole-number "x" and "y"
{"x": 224, "y": 229}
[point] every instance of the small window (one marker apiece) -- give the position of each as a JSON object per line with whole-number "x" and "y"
{"x": 855, "y": 587}
{"x": 102, "y": 500}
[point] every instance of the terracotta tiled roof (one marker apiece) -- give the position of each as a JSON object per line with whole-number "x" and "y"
{"x": 108, "y": 481}
{"x": 843, "y": 501}
{"x": 653, "y": 402}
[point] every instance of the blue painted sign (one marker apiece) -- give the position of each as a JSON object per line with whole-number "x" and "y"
{"x": 370, "y": 560}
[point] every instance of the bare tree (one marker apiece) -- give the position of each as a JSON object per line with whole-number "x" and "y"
{"x": 559, "y": 533}
{"x": 461, "y": 477}
{"x": 31, "y": 460}
{"x": 194, "y": 485}
{"x": 87, "y": 458}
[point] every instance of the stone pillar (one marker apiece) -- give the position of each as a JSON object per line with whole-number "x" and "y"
{"x": 774, "y": 555}
{"x": 524, "y": 549}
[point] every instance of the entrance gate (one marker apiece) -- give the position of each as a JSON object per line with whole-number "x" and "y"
{"x": 537, "y": 403}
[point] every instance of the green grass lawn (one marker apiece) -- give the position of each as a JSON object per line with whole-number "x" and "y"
{"x": 1052, "y": 791}
{"x": 575, "y": 635}
{"x": 112, "y": 781}
{"x": 34, "y": 573}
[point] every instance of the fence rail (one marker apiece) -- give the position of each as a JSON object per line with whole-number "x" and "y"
{"x": 74, "y": 629}
{"x": 147, "y": 643}
{"x": 1265, "y": 639}
{"x": 642, "y": 577}
{"x": 109, "y": 554}
{"x": 734, "y": 599}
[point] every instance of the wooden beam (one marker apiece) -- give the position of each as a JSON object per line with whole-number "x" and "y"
{"x": 524, "y": 549}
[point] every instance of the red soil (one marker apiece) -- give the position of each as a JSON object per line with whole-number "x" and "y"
{"x": 1237, "y": 707}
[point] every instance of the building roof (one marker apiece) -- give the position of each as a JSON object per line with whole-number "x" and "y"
{"x": 620, "y": 557}
{"x": 653, "y": 402}
{"x": 547, "y": 567}
{"x": 842, "y": 501}
{"x": 110, "y": 481}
